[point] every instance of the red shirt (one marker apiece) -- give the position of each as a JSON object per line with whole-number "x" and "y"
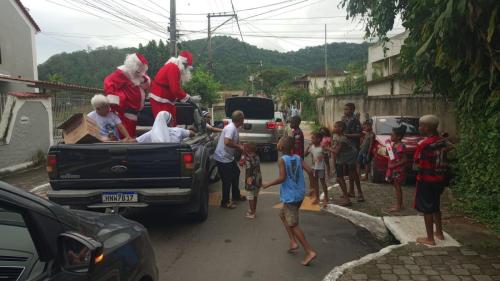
{"x": 430, "y": 159}
{"x": 298, "y": 147}
{"x": 123, "y": 95}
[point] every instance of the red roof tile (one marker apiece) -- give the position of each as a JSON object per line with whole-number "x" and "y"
{"x": 23, "y": 95}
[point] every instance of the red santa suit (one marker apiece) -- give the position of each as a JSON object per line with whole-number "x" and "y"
{"x": 125, "y": 89}
{"x": 166, "y": 87}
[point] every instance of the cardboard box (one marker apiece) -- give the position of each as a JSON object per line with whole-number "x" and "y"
{"x": 80, "y": 129}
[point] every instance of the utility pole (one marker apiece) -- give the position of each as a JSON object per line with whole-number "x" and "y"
{"x": 209, "y": 34}
{"x": 173, "y": 30}
{"x": 326, "y": 67}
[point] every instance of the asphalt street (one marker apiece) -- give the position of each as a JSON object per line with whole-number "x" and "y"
{"x": 227, "y": 246}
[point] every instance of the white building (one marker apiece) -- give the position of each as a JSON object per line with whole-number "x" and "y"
{"x": 383, "y": 73}
{"x": 314, "y": 82}
{"x": 17, "y": 45}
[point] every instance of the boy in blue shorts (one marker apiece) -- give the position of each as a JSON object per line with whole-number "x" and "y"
{"x": 292, "y": 192}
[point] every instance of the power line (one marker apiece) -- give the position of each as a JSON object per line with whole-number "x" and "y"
{"x": 274, "y": 10}
{"x": 239, "y": 29}
{"x": 157, "y": 5}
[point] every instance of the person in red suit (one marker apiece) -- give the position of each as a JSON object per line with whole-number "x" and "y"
{"x": 166, "y": 88}
{"x": 126, "y": 90}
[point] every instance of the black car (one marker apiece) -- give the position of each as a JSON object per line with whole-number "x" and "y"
{"x": 40, "y": 240}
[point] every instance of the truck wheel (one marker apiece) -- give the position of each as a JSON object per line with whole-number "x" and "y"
{"x": 375, "y": 176}
{"x": 202, "y": 213}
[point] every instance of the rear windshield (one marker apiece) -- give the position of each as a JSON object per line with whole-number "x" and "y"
{"x": 384, "y": 125}
{"x": 252, "y": 107}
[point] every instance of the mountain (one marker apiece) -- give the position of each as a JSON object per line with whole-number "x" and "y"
{"x": 233, "y": 60}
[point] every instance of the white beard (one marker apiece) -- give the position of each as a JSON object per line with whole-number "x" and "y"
{"x": 134, "y": 77}
{"x": 185, "y": 75}
{"x": 185, "y": 72}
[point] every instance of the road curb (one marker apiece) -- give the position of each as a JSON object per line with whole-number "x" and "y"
{"x": 375, "y": 225}
{"x": 338, "y": 271}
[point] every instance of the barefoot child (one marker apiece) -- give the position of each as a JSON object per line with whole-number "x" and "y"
{"x": 317, "y": 152}
{"x": 345, "y": 158}
{"x": 431, "y": 175}
{"x": 396, "y": 172}
{"x": 253, "y": 177}
{"x": 292, "y": 194}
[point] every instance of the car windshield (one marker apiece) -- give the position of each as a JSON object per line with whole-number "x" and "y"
{"x": 383, "y": 126}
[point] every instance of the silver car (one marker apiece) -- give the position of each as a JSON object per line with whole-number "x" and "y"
{"x": 260, "y": 126}
{"x": 279, "y": 118}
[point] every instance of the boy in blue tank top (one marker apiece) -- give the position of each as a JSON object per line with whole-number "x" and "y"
{"x": 292, "y": 192}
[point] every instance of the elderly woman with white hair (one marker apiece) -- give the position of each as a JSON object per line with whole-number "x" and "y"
{"x": 161, "y": 132}
{"x": 108, "y": 122}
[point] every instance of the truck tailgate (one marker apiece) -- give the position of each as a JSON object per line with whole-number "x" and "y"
{"x": 118, "y": 165}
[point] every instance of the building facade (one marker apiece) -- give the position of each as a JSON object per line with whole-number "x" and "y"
{"x": 314, "y": 82}
{"x": 383, "y": 70}
{"x": 17, "y": 45}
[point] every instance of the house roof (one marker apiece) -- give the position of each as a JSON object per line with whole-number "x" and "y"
{"x": 51, "y": 85}
{"x": 28, "y": 16}
{"x": 331, "y": 72}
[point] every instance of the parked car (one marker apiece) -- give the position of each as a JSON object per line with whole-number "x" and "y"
{"x": 260, "y": 125}
{"x": 382, "y": 128}
{"x": 279, "y": 118}
{"x": 107, "y": 175}
{"x": 44, "y": 241}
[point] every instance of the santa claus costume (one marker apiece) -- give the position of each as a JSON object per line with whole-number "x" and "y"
{"x": 125, "y": 89}
{"x": 166, "y": 87}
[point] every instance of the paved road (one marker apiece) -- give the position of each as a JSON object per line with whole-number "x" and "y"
{"x": 229, "y": 247}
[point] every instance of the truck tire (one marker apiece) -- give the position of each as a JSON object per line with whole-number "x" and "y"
{"x": 375, "y": 176}
{"x": 202, "y": 213}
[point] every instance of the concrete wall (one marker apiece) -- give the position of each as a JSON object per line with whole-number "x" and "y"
{"x": 25, "y": 130}
{"x": 17, "y": 46}
{"x": 383, "y": 88}
{"x": 410, "y": 105}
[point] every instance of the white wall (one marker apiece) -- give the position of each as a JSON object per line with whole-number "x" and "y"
{"x": 318, "y": 83}
{"x": 17, "y": 45}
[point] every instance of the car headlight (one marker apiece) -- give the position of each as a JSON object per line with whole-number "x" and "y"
{"x": 382, "y": 151}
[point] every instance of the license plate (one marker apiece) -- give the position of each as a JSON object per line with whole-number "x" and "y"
{"x": 119, "y": 197}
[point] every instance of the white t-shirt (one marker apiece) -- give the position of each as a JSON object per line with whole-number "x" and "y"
{"x": 318, "y": 157}
{"x": 107, "y": 124}
{"x": 176, "y": 135}
{"x": 223, "y": 153}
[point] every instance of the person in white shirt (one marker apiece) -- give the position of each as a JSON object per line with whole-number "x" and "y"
{"x": 206, "y": 115}
{"x": 109, "y": 124}
{"x": 161, "y": 132}
{"x": 227, "y": 146}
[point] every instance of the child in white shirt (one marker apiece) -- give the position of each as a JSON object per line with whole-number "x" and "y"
{"x": 317, "y": 152}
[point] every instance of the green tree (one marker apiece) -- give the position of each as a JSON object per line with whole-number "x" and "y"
{"x": 453, "y": 47}
{"x": 272, "y": 78}
{"x": 203, "y": 83}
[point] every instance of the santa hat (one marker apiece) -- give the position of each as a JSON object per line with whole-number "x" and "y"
{"x": 141, "y": 58}
{"x": 186, "y": 56}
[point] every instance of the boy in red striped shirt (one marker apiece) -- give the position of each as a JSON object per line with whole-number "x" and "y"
{"x": 431, "y": 175}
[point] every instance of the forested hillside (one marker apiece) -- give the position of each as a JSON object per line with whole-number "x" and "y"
{"x": 233, "y": 60}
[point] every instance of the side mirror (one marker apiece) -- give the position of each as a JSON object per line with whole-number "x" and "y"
{"x": 78, "y": 253}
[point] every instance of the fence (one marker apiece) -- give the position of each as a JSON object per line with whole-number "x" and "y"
{"x": 64, "y": 105}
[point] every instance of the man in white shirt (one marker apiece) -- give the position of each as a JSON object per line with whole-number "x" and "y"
{"x": 227, "y": 146}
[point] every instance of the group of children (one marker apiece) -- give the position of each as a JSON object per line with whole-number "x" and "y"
{"x": 348, "y": 160}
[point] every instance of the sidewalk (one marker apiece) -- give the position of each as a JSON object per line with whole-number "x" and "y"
{"x": 27, "y": 179}
{"x": 477, "y": 257}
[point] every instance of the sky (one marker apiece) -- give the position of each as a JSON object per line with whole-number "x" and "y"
{"x": 281, "y": 25}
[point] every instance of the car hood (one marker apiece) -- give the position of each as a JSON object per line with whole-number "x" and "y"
{"x": 410, "y": 141}
{"x": 109, "y": 229}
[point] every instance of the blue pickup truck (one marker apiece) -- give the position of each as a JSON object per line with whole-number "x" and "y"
{"x": 110, "y": 175}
